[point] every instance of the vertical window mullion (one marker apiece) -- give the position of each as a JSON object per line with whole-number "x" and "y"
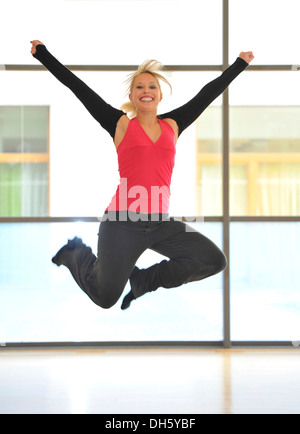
{"x": 226, "y": 214}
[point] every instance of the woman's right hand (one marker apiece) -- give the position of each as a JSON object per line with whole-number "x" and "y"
{"x": 34, "y": 44}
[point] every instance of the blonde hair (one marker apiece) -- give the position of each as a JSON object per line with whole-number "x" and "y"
{"x": 151, "y": 67}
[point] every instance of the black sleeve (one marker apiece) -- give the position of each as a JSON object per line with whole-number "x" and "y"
{"x": 187, "y": 114}
{"x": 104, "y": 113}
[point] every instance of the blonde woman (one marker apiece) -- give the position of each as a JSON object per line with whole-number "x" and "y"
{"x": 137, "y": 218}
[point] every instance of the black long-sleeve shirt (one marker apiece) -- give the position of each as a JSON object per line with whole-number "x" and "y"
{"x": 109, "y": 116}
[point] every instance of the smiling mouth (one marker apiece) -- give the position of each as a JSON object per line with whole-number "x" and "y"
{"x": 147, "y": 99}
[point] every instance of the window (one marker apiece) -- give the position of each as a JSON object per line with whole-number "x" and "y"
{"x": 274, "y": 40}
{"x": 112, "y": 28}
{"x": 265, "y": 161}
{"x": 265, "y": 299}
{"x": 237, "y": 167}
{"x": 39, "y": 304}
{"x": 209, "y": 162}
{"x": 265, "y": 145}
{"x": 24, "y": 161}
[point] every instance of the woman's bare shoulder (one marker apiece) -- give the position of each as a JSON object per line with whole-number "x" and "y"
{"x": 121, "y": 129}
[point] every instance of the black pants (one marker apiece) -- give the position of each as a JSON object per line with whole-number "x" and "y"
{"x": 192, "y": 257}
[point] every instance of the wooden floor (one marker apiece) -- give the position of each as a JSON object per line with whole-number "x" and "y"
{"x": 150, "y": 382}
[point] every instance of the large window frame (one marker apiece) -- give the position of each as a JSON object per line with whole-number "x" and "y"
{"x": 226, "y": 219}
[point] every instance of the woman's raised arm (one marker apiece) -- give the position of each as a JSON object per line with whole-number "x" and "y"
{"x": 104, "y": 113}
{"x": 185, "y": 115}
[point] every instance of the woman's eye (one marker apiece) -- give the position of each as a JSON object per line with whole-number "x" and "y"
{"x": 139, "y": 86}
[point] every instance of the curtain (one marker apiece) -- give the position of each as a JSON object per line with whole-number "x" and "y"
{"x": 23, "y": 190}
{"x": 278, "y": 189}
{"x": 10, "y": 190}
{"x": 35, "y": 190}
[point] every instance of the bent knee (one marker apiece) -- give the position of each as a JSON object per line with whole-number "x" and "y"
{"x": 105, "y": 303}
{"x": 106, "y": 297}
{"x": 105, "y": 293}
{"x": 106, "y": 300}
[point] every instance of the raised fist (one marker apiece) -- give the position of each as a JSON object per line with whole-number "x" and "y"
{"x": 34, "y": 44}
{"x": 247, "y": 56}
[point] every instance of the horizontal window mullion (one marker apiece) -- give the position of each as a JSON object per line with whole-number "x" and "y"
{"x": 183, "y": 68}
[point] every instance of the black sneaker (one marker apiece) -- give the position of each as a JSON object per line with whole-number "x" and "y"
{"x": 72, "y": 245}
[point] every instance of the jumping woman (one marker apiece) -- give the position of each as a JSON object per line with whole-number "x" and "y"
{"x": 137, "y": 218}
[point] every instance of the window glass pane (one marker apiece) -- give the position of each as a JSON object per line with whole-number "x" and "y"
{"x": 10, "y": 129}
{"x": 265, "y": 146}
{"x": 23, "y": 190}
{"x": 115, "y": 31}
{"x": 272, "y": 20}
{"x": 24, "y": 129}
{"x": 209, "y": 161}
{"x": 196, "y": 188}
{"x": 24, "y": 160}
{"x": 42, "y": 303}
{"x": 36, "y": 126}
{"x": 265, "y": 300}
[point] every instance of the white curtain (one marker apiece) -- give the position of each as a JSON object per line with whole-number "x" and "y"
{"x": 277, "y": 190}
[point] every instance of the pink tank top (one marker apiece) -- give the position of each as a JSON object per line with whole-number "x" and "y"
{"x": 146, "y": 169}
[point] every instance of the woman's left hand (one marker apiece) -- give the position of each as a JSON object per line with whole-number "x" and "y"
{"x": 247, "y": 56}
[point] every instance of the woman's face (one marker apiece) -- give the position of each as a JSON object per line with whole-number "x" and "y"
{"x": 146, "y": 93}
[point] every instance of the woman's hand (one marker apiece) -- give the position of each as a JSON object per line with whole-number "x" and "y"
{"x": 247, "y": 56}
{"x": 34, "y": 44}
